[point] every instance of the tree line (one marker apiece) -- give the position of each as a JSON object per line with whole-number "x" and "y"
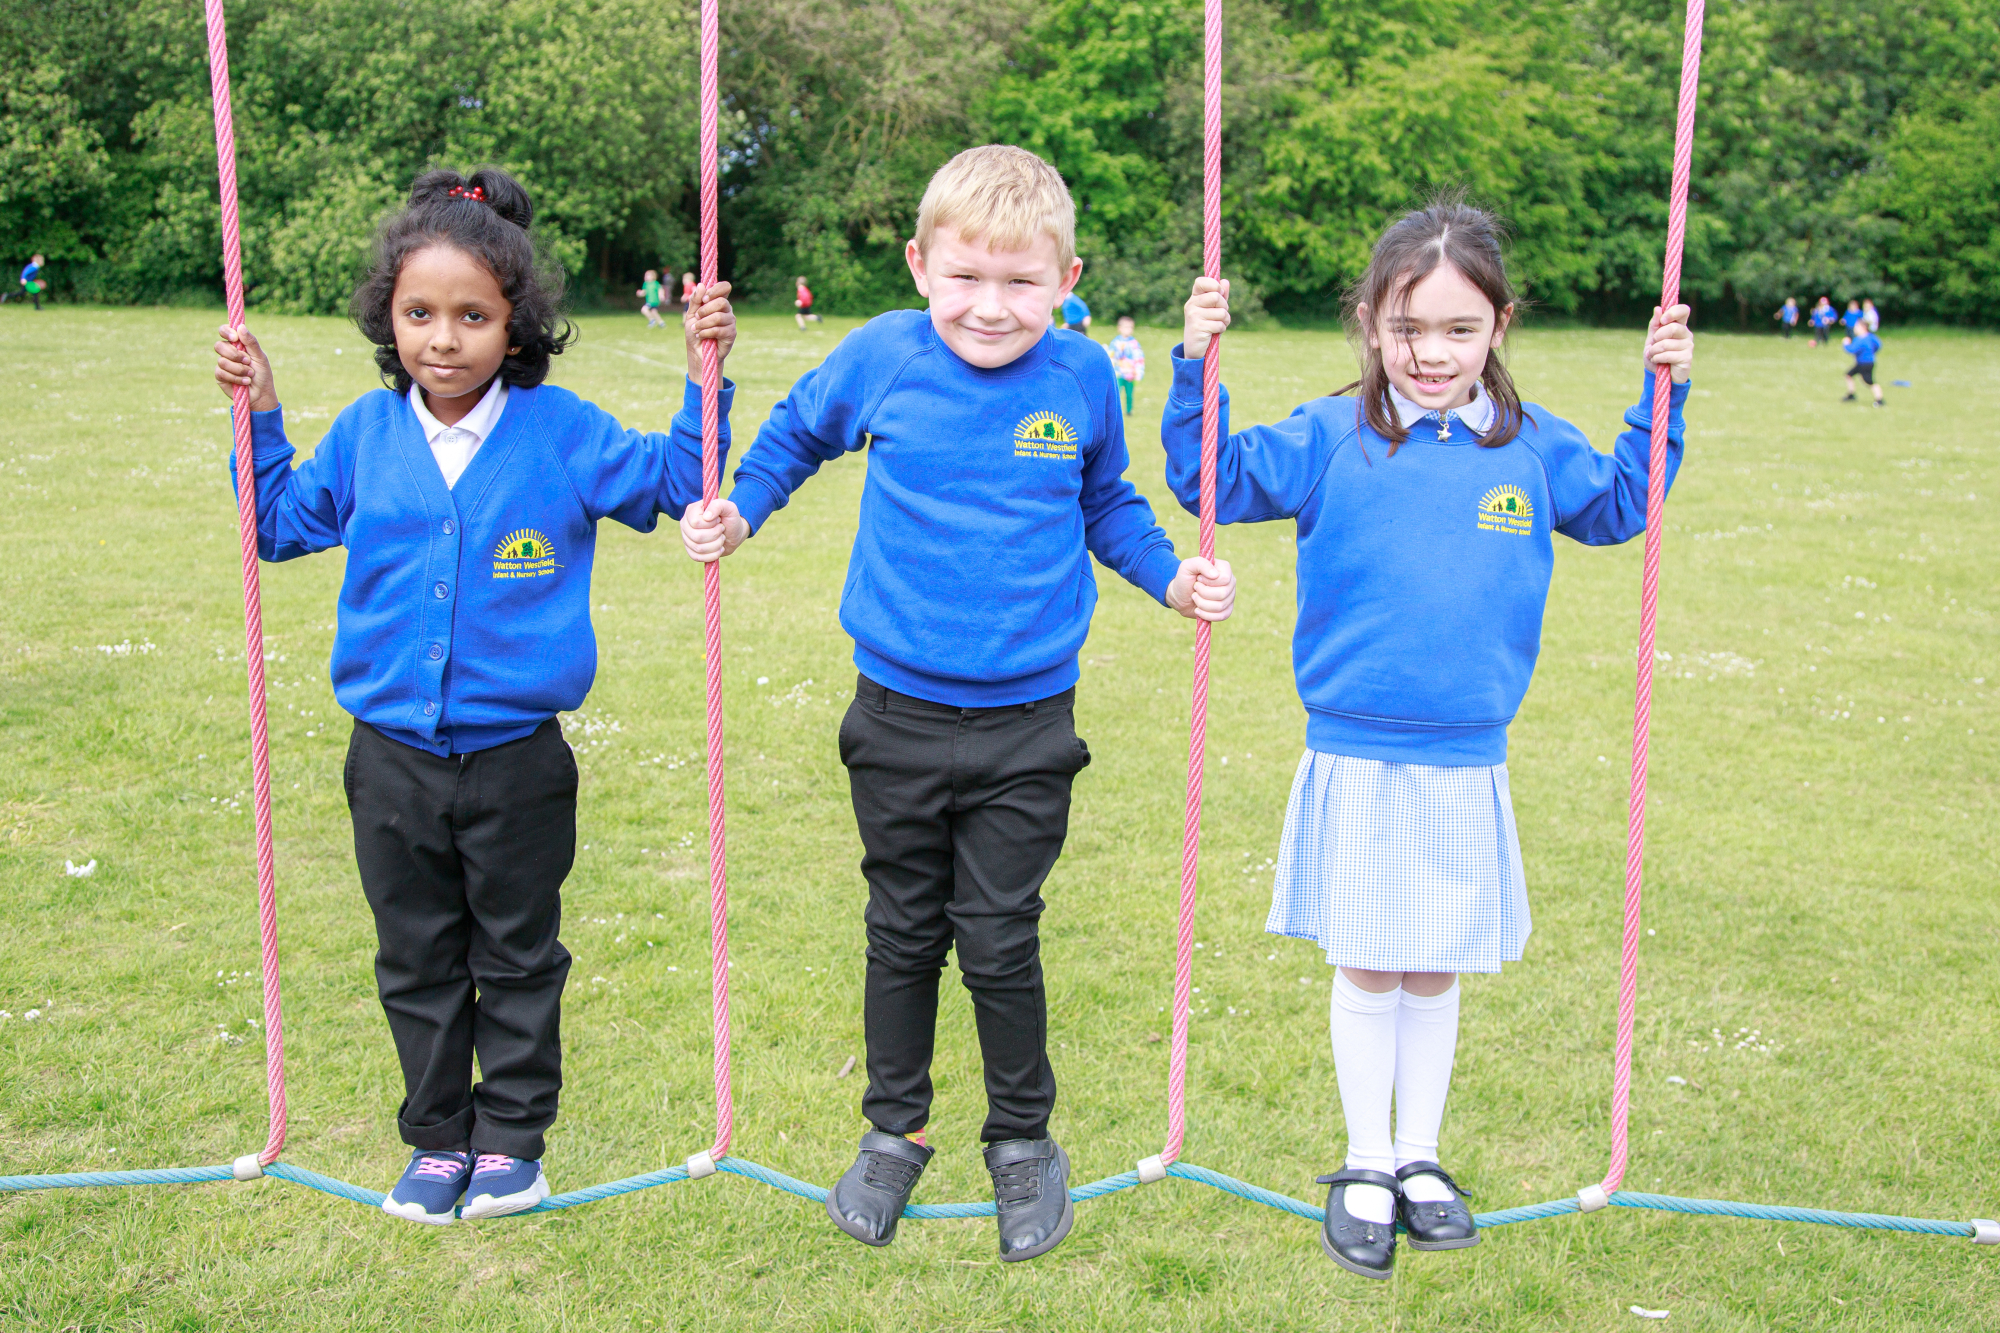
{"x": 1845, "y": 147}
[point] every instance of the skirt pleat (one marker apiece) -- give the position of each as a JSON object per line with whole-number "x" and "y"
{"x": 1401, "y": 867}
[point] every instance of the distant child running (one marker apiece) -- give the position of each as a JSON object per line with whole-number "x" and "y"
{"x": 1425, "y": 505}
{"x": 1128, "y": 361}
{"x": 802, "y": 303}
{"x": 650, "y": 297}
{"x": 468, "y": 497}
{"x": 1862, "y": 344}
{"x": 1075, "y": 314}
{"x": 996, "y": 470}
{"x": 1871, "y": 318}
{"x": 1822, "y": 320}
{"x": 32, "y": 285}
{"x": 1787, "y": 315}
{"x": 1852, "y": 319}
{"x": 687, "y": 291}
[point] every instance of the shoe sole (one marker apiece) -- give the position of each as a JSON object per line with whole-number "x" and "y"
{"x": 412, "y": 1212}
{"x": 506, "y": 1205}
{"x": 1465, "y": 1244}
{"x": 1350, "y": 1265}
{"x": 841, "y": 1222}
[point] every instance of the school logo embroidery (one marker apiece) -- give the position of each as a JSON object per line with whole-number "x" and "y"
{"x": 1506, "y": 509}
{"x": 1045, "y": 435}
{"x": 524, "y": 554}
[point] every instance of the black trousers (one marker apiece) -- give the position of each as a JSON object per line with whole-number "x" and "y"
{"x": 463, "y": 860}
{"x": 963, "y": 812}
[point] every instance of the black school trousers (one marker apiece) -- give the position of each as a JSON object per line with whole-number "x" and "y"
{"x": 962, "y": 812}
{"x": 462, "y": 859}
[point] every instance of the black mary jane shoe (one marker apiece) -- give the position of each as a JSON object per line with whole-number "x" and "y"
{"x": 1356, "y": 1244}
{"x": 1030, "y": 1196}
{"x": 1443, "y": 1225}
{"x": 869, "y": 1200}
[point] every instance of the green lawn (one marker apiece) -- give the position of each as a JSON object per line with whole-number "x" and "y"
{"x": 1822, "y": 884}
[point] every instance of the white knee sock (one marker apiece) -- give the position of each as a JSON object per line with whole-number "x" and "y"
{"x": 1364, "y": 1057}
{"x": 1426, "y": 1041}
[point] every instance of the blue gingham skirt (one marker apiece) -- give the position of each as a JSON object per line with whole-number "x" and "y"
{"x": 1401, "y": 867}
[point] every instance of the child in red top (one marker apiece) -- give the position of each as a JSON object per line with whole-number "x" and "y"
{"x": 802, "y": 304}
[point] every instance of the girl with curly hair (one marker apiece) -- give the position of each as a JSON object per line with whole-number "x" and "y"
{"x": 467, "y": 494}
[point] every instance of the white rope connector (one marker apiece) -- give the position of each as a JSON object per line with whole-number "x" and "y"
{"x": 1985, "y": 1231}
{"x": 247, "y": 1167}
{"x": 1152, "y": 1170}
{"x": 699, "y": 1165}
{"x": 1591, "y": 1198}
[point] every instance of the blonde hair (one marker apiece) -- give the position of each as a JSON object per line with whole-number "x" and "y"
{"x": 1001, "y": 195}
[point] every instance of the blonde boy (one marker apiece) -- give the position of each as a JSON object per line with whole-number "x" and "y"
{"x": 996, "y": 470}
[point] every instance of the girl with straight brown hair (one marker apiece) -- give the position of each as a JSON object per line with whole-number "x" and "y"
{"x": 1426, "y": 496}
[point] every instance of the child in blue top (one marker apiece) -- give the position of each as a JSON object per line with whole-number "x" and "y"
{"x": 468, "y": 498}
{"x": 1862, "y": 344}
{"x": 1821, "y": 319}
{"x": 32, "y": 284}
{"x": 1128, "y": 361}
{"x": 1425, "y": 506}
{"x": 1075, "y": 314}
{"x": 1787, "y": 315}
{"x": 996, "y": 470}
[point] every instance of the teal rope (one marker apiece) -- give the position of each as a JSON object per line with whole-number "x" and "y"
{"x": 1772, "y": 1213}
{"x": 175, "y": 1175}
{"x": 1096, "y": 1189}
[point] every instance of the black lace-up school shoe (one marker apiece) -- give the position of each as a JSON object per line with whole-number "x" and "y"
{"x": 1356, "y": 1244}
{"x": 869, "y": 1200}
{"x": 1031, "y": 1194}
{"x": 1444, "y": 1225}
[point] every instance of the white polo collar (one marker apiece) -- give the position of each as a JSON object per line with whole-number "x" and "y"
{"x": 477, "y": 423}
{"x": 1476, "y": 416}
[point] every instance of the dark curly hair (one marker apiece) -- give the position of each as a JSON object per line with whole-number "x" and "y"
{"x": 492, "y": 227}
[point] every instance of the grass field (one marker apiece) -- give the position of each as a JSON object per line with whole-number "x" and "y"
{"x": 1822, "y": 884}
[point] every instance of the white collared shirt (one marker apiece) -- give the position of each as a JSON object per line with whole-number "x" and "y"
{"x": 454, "y": 446}
{"x": 1476, "y": 416}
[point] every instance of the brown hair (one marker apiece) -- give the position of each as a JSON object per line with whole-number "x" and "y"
{"x": 1447, "y": 230}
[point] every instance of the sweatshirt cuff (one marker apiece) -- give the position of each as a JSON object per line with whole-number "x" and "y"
{"x": 1157, "y": 571}
{"x": 1640, "y": 417}
{"x": 755, "y": 501}
{"x": 691, "y": 400}
{"x": 267, "y": 432}
{"x": 1187, "y": 378}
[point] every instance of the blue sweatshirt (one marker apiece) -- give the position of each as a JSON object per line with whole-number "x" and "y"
{"x": 1863, "y": 346}
{"x": 988, "y": 491}
{"x": 464, "y": 616}
{"x": 1422, "y": 577}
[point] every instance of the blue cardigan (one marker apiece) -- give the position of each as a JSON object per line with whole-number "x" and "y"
{"x": 1422, "y": 577}
{"x": 987, "y": 493}
{"x": 464, "y": 616}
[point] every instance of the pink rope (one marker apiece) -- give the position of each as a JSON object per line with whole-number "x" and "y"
{"x": 253, "y": 615}
{"x": 1649, "y": 600}
{"x": 711, "y": 591}
{"x": 1211, "y": 385}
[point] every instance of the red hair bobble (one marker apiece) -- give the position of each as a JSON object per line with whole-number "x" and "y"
{"x": 476, "y": 193}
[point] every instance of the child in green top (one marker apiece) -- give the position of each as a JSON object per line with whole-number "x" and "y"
{"x": 649, "y": 295}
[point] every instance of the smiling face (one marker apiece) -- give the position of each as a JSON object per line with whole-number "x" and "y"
{"x": 990, "y": 306}
{"x": 451, "y": 327}
{"x": 1435, "y": 349}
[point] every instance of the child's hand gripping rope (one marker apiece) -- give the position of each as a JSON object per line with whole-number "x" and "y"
{"x": 1205, "y": 315}
{"x": 240, "y": 360}
{"x": 1669, "y": 343}
{"x": 708, "y": 317}
{"x": 1203, "y": 590}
